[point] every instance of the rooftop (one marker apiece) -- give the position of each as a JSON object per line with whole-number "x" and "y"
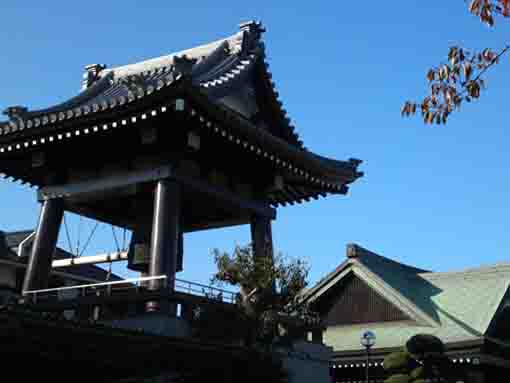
{"x": 230, "y": 88}
{"x": 455, "y": 306}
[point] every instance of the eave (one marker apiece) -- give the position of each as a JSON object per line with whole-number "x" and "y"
{"x": 317, "y": 178}
{"x": 103, "y": 106}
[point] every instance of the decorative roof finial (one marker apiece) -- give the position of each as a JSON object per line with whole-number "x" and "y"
{"x": 15, "y": 112}
{"x": 252, "y": 30}
{"x": 252, "y": 26}
{"x": 91, "y": 74}
{"x": 352, "y": 250}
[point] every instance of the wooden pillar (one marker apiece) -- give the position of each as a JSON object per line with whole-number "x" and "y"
{"x": 180, "y": 255}
{"x": 165, "y": 237}
{"x": 262, "y": 240}
{"x": 45, "y": 241}
{"x": 261, "y": 237}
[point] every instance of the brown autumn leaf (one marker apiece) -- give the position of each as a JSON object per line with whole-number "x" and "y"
{"x": 468, "y": 69}
{"x": 475, "y": 92}
{"x": 474, "y": 6}
{"x": 431, "y": 74}
{"x": 452, "y": 55}
{"x": 506, "y": 7}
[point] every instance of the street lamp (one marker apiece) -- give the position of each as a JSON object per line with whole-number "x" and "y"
{"x": 367, "y": 340}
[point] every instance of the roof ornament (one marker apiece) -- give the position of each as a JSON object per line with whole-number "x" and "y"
{"x": 252, "y": 26}
{"x": 252, "y": 30}
{"x": 91, "y": 75}
{"x": 16, "y": 113}
{"x": 355, "y": 161}
{"x": 183, "y": 65}
{"x": 352, "y": 250}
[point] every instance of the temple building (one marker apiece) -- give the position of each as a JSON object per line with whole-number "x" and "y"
{"x": 468, "y": 310}
{"x": 151, "y": 147}
{"x": 194, "y": 140}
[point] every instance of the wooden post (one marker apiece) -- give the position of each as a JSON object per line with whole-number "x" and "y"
{"x": 45, "y": 241}
{"x": 261, "y": 236}
{"x": 262, "y": 240}
{"x": 165, "y": 237}
{"x": 180, "y": 255}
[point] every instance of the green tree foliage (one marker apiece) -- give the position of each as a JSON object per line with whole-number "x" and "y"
{"x": 269, "y": 289}
{"x": 423, "y": 345}
{"x": 460, "y": 79}
{"x": 423, "y": 359}
{"x": 398, "y": 362}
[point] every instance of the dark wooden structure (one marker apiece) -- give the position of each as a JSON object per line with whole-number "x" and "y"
{"x": 63, "y": 351}
{"x": 184, "y": 142}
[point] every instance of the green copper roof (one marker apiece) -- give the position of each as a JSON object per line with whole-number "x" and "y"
{"x": 460, "y": 305}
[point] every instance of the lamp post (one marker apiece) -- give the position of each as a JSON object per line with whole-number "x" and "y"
{"x": 367, "y": 340}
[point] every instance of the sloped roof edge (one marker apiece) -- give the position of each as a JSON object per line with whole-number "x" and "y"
{"x": 214, "y": 67}
{"x": 375, "y": 282}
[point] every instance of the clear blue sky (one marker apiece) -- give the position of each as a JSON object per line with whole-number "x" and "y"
{"x": 434, "y": 197}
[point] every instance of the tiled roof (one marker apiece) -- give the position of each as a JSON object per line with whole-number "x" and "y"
{"x": 229, "y": 79}
{"x": 219, "y": 68}
{"x": 461, "y": 304}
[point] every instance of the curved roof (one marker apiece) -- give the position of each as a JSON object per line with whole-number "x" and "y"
{"x": 230, "y": 66}
{"x": 229, "y": 78}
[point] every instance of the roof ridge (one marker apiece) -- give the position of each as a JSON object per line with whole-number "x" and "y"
{"x": 357, "y": 252}
{"x": 472, "y": 272}
{"x": 241, "y": 41}
{"x": 163, "y": 60}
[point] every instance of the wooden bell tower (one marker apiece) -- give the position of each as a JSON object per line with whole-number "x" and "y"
{"x": 189, "y": 141}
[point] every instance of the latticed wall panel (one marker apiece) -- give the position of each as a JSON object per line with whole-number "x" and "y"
{"x": 359, "y": 303}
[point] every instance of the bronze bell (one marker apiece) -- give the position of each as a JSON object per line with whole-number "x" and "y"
{"x": 139, "y": 249}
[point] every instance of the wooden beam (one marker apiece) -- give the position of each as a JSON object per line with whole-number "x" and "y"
{"x": 259, "y": 208}
{"x": 104, "y": 183}
{"x": 90, "y": 260}
{"x": 215, "y": 225}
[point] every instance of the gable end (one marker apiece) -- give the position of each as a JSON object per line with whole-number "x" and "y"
{"x": 353, "y": 301}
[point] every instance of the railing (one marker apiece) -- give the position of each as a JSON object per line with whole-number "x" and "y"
{"x": 135, "y": 285}
{"x": 210, "y": 292}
